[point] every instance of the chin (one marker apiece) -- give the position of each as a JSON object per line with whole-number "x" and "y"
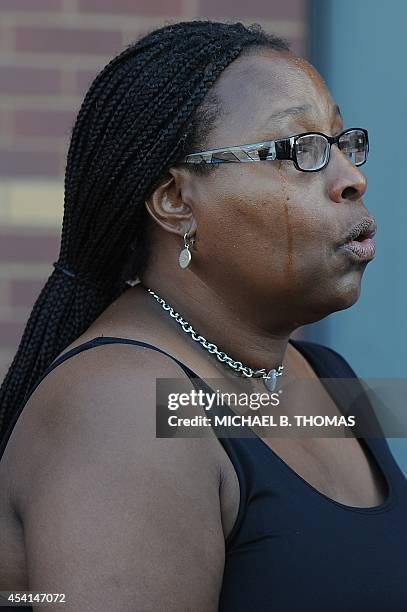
{"x": 346, "y": 289}
{"x": 340, "y": 297}
{"x": 347, "y": 293}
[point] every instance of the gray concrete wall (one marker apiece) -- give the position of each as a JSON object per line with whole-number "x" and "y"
{"x": 360, "y": 49}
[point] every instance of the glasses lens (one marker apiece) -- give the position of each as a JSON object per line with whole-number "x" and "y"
{"x": 312, "y": 151}
{"x": 354, "y": 145}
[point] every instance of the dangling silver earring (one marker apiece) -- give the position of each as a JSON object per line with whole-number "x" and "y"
{"x": 185, "y": 256}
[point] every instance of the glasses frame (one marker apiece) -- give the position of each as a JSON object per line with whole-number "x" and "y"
{"x": 269, "y": 150}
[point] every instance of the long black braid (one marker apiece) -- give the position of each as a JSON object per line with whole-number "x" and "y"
{"x": 147, "y": 108}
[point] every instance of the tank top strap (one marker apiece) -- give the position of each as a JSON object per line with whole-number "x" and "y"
{"x": 98, "y": 341}
{"x": 342, "y": 384}
{"x": 326, "y": 362}
{"x": 352, "y": 399}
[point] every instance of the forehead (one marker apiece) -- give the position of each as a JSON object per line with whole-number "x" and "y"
{"x": 264, "y": 83}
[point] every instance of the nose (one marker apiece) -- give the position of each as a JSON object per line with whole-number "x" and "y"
{"x": 345, "y": 180}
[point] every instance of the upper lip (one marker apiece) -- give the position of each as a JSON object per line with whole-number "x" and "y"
{"x": 366, "y": 228}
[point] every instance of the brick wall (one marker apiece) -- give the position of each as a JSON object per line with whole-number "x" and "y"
{"x": 49, "y": 52}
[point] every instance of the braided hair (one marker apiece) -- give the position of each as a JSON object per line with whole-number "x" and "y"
{"x": 143, "y": 112}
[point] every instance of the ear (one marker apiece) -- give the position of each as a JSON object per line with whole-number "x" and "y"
{"x": 167, "y": 207}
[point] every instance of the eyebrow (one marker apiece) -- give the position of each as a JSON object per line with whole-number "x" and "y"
{"x": 294, "y": 111}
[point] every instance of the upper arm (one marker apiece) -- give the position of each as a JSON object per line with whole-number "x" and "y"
{"x": 114, "y": 517}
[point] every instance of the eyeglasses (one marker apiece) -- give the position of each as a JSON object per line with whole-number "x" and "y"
{"x": 309, "y": 151}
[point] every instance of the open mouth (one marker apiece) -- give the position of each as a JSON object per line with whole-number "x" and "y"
{"x": 361, "y": 231}
{"x": 359, "y": 240}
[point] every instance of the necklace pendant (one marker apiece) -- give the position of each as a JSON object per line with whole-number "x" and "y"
{"x": 271, "y": 380}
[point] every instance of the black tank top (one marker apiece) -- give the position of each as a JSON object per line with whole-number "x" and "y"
{"x": 292, "y": 548}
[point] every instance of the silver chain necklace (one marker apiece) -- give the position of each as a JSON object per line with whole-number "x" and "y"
{"x": 270, "y": 377}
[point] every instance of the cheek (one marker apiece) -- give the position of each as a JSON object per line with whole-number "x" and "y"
{"x": 279, "y": 230}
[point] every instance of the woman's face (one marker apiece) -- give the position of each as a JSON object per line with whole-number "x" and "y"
{"x": 268, "y": 234}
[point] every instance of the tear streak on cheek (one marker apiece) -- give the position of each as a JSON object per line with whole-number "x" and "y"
{"x": 288, "y": 226}
{"x": 289, "y": 234}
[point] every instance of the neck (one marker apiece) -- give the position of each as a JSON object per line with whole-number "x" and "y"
{"x": 225, "y": 321}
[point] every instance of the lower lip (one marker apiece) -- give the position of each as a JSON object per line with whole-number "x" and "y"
{"x": 363, "y": 250}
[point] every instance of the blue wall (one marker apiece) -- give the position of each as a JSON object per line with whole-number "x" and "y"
{"x": 360, "y": 49}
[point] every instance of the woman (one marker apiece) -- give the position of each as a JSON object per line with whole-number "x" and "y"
{"x": 101, "y": 509}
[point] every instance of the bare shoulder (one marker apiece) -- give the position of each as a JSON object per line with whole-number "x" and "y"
{"x": 134, "y": 520}
{"x": 107, "y": 391}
